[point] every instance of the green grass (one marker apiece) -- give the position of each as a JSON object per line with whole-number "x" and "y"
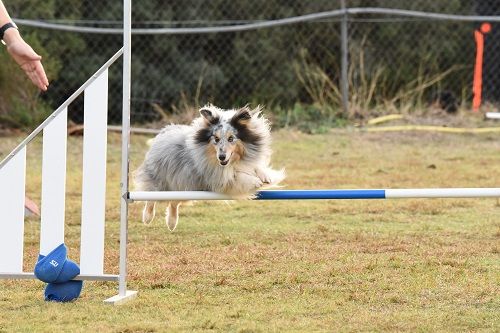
{"x": 401, "y": 265}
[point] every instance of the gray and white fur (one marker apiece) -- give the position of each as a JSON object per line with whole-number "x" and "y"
{"x": 224, "y": 151}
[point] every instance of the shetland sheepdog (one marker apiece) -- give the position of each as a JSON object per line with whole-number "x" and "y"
{"x": 224, "y": 151}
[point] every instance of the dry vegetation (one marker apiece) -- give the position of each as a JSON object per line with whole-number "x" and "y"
{"x": 403, "y": 265}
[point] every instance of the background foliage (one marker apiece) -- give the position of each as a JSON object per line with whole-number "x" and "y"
{"x": 394, "y": 62}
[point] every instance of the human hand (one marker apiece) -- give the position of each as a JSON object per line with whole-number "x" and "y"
{"x": 25, "y": 57}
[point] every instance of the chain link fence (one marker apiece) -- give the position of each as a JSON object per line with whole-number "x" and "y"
{"x": 294, "y": 70}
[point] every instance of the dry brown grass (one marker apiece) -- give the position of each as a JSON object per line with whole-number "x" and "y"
{"x": 402, "y": 265}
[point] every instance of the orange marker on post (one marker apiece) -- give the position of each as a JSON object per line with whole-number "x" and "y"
{"x": 477, "y": 85}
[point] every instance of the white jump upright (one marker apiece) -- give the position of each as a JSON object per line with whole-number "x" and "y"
{"x": 53, "y": 183}
{"x": 94, "y": 176}
{"x": 53, "y": 191}
{"x": 124, "y": 294}
{"x": 12, "y": 194}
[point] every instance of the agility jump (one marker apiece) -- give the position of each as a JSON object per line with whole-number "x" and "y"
{"x": 12, "y": 191}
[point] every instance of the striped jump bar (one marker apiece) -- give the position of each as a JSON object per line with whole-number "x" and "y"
{"x": 325, "y": 194}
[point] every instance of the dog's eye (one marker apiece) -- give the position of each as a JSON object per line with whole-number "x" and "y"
{"x": 217, "y": 140}
{"x": 230, "y": 139}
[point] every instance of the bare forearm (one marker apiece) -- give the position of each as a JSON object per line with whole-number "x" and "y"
{"x": 4, "y": 15}
{"x": 10, "y": 35}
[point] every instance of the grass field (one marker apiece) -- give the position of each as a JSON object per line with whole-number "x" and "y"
{"x": 402, "y": 265}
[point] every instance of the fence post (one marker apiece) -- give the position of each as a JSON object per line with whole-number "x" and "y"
{"x": 344, "y": 83}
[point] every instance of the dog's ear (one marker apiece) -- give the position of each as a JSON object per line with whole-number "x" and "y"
{"x": 242, "y": 116}
{"x": 209, "y": 114}
{"x": 258, "y": 110}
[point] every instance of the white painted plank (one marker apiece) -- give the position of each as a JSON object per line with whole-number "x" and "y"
{"x": 12, "y": 193}
{"x": 53, "y": 183}
{"x": 94, "y": 176}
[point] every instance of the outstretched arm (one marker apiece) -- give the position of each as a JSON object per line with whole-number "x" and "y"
{"x": 22, "y": 53}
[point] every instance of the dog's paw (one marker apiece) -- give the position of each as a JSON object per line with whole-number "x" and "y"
{"x": 273, "y": 177}
{"x": 258, "y": 183}
{"x": 148, "y": 213}
{"x": 263, "y": 176}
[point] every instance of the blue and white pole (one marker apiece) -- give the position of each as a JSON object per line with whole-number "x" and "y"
{"x": 325, "y": 194}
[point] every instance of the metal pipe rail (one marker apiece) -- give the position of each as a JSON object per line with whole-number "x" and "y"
{"x": 264, "y": 24}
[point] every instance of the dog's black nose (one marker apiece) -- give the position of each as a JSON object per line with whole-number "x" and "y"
{"x": 222, "y": 157}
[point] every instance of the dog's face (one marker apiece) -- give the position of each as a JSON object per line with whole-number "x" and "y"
{"x": 226, "y": 133}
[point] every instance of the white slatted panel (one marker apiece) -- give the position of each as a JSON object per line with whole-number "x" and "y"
{"x": 94, "y": 176}
{"x": 53, "y": 183}
{"x": 12, "y": 193}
